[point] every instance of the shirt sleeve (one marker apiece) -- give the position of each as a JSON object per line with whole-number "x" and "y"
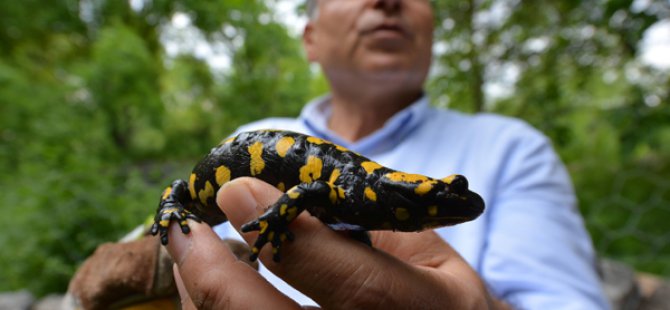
{"x": 538, "y": 253}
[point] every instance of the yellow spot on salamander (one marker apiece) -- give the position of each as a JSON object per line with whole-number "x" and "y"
{"x": 432, "y": 210}
{"x": 222, "y": 175}
{"x": 401, "y": 214}
{"x": 449, "y": 179}
{"x": 293, "y": 193}
{"x": 263, "y": 225}
{"x": 164, "y": 223}
{"x": 334, "y": 175}
{"x": 424, "y": 187}
{"x": 191, "y": 186}
{"x": 283, "y": 145}
{"x": 167, "y": 192}
{"x": 406, "y": 177}
{"x": 170, "y": 210}
{"x": 370, "y": 194}
{"x": 333, "y": 195}
{"x": 281, "y": 186}
{"x": 228, "y": 140}
{"x": 282, "y": 209}
{"x": 292, "y": 213}
{"x": 311, "y": 171}
{"x": 370, "y": 166}
{"x": 341, "y": 148}
{"x": 317, "y": 141}
{"x": 256, "y": 153}
{"x": 206, "y": 193}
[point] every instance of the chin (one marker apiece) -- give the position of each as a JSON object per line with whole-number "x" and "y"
{"x": 393, "y": 67}
{"x": 396, "y": 74}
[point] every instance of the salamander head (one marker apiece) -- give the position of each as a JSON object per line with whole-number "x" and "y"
{"x": 453, "y": 203}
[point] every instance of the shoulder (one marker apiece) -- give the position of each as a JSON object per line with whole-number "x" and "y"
{"x": 491, "y": 124}
{"x": 284, "y": 123}
{"x": 488, "y": 130}
{"x": 513, "y": 135}
{"x": 496, "y": 147}
{"x": 517, "y": 142}
{"x": 509, "y": 126}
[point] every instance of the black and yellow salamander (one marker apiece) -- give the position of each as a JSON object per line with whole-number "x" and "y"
{"x": 341, "y": 188}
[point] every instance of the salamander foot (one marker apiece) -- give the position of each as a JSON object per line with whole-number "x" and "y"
{"x": 271, "y": 229}
{"x": 169, "y": 212}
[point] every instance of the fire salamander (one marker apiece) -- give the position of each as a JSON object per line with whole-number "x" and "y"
{"x": 341, "y": 188}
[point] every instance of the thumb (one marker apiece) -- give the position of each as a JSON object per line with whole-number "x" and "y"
{"x": 326, "y": 266}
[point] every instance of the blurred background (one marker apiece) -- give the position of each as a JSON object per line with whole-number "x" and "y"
{"x": 103, "y": 103}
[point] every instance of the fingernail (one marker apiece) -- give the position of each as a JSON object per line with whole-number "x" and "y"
{"x": 238, "y": 193}
{"x": 230, "y": 185}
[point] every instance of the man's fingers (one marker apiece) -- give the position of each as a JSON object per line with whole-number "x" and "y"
{"x": 212, "y": 276}
{"x": 424, "y": 248}
{"x": 332, "y": 269}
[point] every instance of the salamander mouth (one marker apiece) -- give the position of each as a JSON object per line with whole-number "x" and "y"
{"x": 465, "y": 208}
{"x": 476, "y": 201}
{"x": 452, "y": 220}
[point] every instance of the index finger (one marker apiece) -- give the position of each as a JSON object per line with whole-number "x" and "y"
{"x": 214, "y": 278}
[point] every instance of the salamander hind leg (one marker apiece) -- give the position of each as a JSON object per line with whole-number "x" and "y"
{"x": 273, "y": 224}
{"x": 172, "y": 208}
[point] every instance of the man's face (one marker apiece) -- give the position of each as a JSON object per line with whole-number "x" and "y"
{"x": 377, "y": 40}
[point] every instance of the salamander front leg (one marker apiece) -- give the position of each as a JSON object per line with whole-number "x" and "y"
{"x": 171, "y": 208}
{"x": 273, "y": 224}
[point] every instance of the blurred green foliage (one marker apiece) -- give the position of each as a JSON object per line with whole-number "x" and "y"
{"x": 96, "y": 115}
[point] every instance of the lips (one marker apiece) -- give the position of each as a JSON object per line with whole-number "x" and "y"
{"x": 376, "y": 22}
{"x": 387, "y": 27}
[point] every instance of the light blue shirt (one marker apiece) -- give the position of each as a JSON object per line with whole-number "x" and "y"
{"x": 530, "y": 245}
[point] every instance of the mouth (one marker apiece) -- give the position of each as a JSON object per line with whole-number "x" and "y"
{"x": 477, "y": 202}
{"x": 466, "y": 207}
{"x": 387, "y": 28}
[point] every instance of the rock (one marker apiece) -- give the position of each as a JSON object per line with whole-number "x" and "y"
{"x": 619, "y": 283}
{"x": 19, "y": 300}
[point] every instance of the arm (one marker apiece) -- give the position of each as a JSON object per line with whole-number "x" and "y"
{"x": 407, "y": 270}
{"x": 539, "y": 255}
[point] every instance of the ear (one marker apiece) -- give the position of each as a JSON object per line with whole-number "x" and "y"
{"x": 308, "y": 42}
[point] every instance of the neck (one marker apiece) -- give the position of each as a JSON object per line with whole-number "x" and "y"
{"x": 357, "y": 116}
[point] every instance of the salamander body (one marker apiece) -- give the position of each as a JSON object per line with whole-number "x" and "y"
{"x": 343, "y": 189}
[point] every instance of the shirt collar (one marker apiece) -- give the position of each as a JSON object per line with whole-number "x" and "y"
{"x": 315, "y": 116}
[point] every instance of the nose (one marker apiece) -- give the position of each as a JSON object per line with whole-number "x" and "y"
{"x": 387, "y": 5}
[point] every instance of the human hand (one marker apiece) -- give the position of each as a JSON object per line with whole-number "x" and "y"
{"x": 402, "y": 270}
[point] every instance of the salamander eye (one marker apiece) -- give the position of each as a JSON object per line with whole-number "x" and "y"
{"x": 457, "y": 184}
